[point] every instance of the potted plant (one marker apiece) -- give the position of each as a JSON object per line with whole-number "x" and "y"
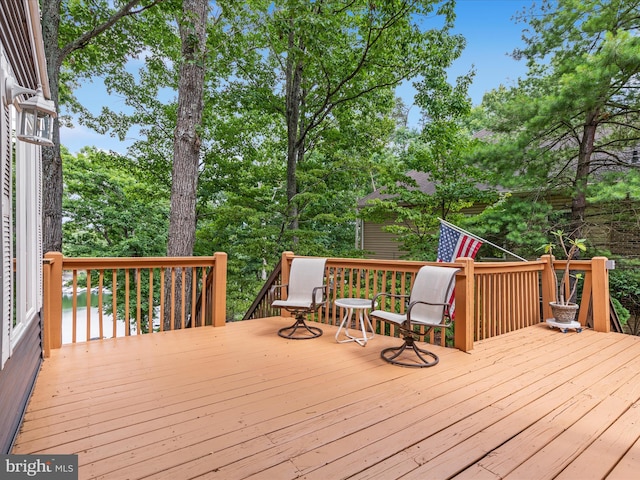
{"x": 564, "y": 311}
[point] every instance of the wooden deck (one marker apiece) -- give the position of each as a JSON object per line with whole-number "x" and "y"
{"x": 239, "y": 401}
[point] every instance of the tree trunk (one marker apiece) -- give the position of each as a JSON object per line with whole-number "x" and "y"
{"x": 186, "y": 145}
{"x": 51, "y": 157}
{"x": 293, "y": 100}
{"x": 579, "y": 202}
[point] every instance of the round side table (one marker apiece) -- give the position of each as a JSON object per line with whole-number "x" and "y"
{"x": 361, "y": 306}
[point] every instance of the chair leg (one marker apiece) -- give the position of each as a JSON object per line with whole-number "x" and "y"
{"x": 307, "y": 331}
{"x": 392, "y": 353}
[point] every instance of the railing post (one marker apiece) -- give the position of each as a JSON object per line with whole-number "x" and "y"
{"x": 285, "y": 267}
{"x": 52, "y": 299}
{"x": 219, "y": 303}
{"x": 463, "y": 330}
{"x": 600, "y": 295}
{"x": 548, "y": 285}
{"x": 46, "y": 304}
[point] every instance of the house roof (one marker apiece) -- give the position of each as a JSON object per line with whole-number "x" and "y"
{"x": 424, "y": 185}
{"x": 421, "y": 178}
{"x": 629, "y": 157}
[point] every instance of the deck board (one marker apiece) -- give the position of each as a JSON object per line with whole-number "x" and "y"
{"x": 241, "y": 402}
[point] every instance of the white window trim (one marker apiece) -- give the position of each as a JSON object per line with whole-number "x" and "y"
{"x": 6, "y": 320}
{"x": 24, "y": 307}
{"x": 28, "y": 260}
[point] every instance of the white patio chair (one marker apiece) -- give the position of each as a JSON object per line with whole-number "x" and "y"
{"x": 428, "y": 305}
{"x": 306, "y": 293}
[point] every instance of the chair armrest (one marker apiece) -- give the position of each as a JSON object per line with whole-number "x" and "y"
{"x": 446, "y": 314}
{"x": 374, "y": 300}
{"x": 314, "y": 295}
{"x": 273, "y": 288}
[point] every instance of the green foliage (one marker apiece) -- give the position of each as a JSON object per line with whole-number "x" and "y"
{"x": 85, "y": 55}
{"x": 520, "y": 224}
{"x": 350, "y": 137}
{"x": 623, "y": 314}
{"x": 328, "y": 71}
{"x": 576, "y": 245}
{"x": 110, "y": 211}
{"x": 616, "y": 186}
{"x": 349, "y": 58}
{"x": 578, "y": 108}
{"x": 624, "y": 286}
{"x": 432, "y": 174}
{"x": 242, "y": 208}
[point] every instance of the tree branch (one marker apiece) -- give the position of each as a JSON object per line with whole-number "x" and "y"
{"x": 85, "y": 38}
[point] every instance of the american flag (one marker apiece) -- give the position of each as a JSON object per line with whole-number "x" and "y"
{"x": 453, "y": 244}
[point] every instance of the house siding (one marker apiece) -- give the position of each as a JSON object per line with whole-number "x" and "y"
{"x": 612, "y": 227}
{"x": 16, "y": 382}
{"x": 15, "y": 36}
{"x": 380, "y": 244}
{"x": 22, "y": 59}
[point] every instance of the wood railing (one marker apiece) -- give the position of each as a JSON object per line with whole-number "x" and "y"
{"x": 492, "y": 298}
{"x": 506, "y": 297}
{"x": 145, "y": 294}
{"x": 125, "y": 296}
{"x": 260, "y": 308}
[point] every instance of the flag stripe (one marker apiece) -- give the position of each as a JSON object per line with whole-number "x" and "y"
{"x": 452, "y": 245}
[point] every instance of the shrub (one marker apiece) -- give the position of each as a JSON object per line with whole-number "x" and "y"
{"x": 624, "y": 287}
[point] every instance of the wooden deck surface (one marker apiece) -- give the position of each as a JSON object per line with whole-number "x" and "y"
{"x": 239, "y": 402}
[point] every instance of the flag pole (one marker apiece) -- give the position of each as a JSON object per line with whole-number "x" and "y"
{"x": 461, "y": 230}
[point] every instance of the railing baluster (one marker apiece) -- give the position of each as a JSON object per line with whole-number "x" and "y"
{"x": 162, "y": 300}
{"x": 173, "y": 298}
{"x": 351, "y": 282}
{"x": 477, "y": 304}
{"x": 491, "y": 300}
{"x": 138, "y": 281}
{"x": 100, "y": 292}
{"x": 521, "y": 287}
{"x": 127, "y": 292}
{"x": 203, "y": 296}
{"x": 114, "y": 301}
{"x": 88, "y": 290}
{"x": 150, "y": 300}
{"x": 183, "y": 297}
{"x": 74, "y": 303}
{"x": 194, "y": 287}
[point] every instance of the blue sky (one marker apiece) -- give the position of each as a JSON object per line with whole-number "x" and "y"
{"x": 492, "y": 34}
{"x": 488, "y": 26}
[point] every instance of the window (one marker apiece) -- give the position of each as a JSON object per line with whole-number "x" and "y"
{"x": 20, "y": 230}
{"x": 27, "y": 234}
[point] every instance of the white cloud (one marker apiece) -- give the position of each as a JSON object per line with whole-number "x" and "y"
{"x": 80, "y": 136}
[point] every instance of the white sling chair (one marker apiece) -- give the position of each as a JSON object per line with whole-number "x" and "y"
{"x": 428, "y": 306}
{"x": 306, "y": 293}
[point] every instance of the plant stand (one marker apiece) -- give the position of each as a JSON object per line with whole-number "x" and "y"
{"x": 564, "y": 326}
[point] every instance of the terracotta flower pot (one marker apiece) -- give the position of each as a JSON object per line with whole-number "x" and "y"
{"x": 564, "y": 313}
